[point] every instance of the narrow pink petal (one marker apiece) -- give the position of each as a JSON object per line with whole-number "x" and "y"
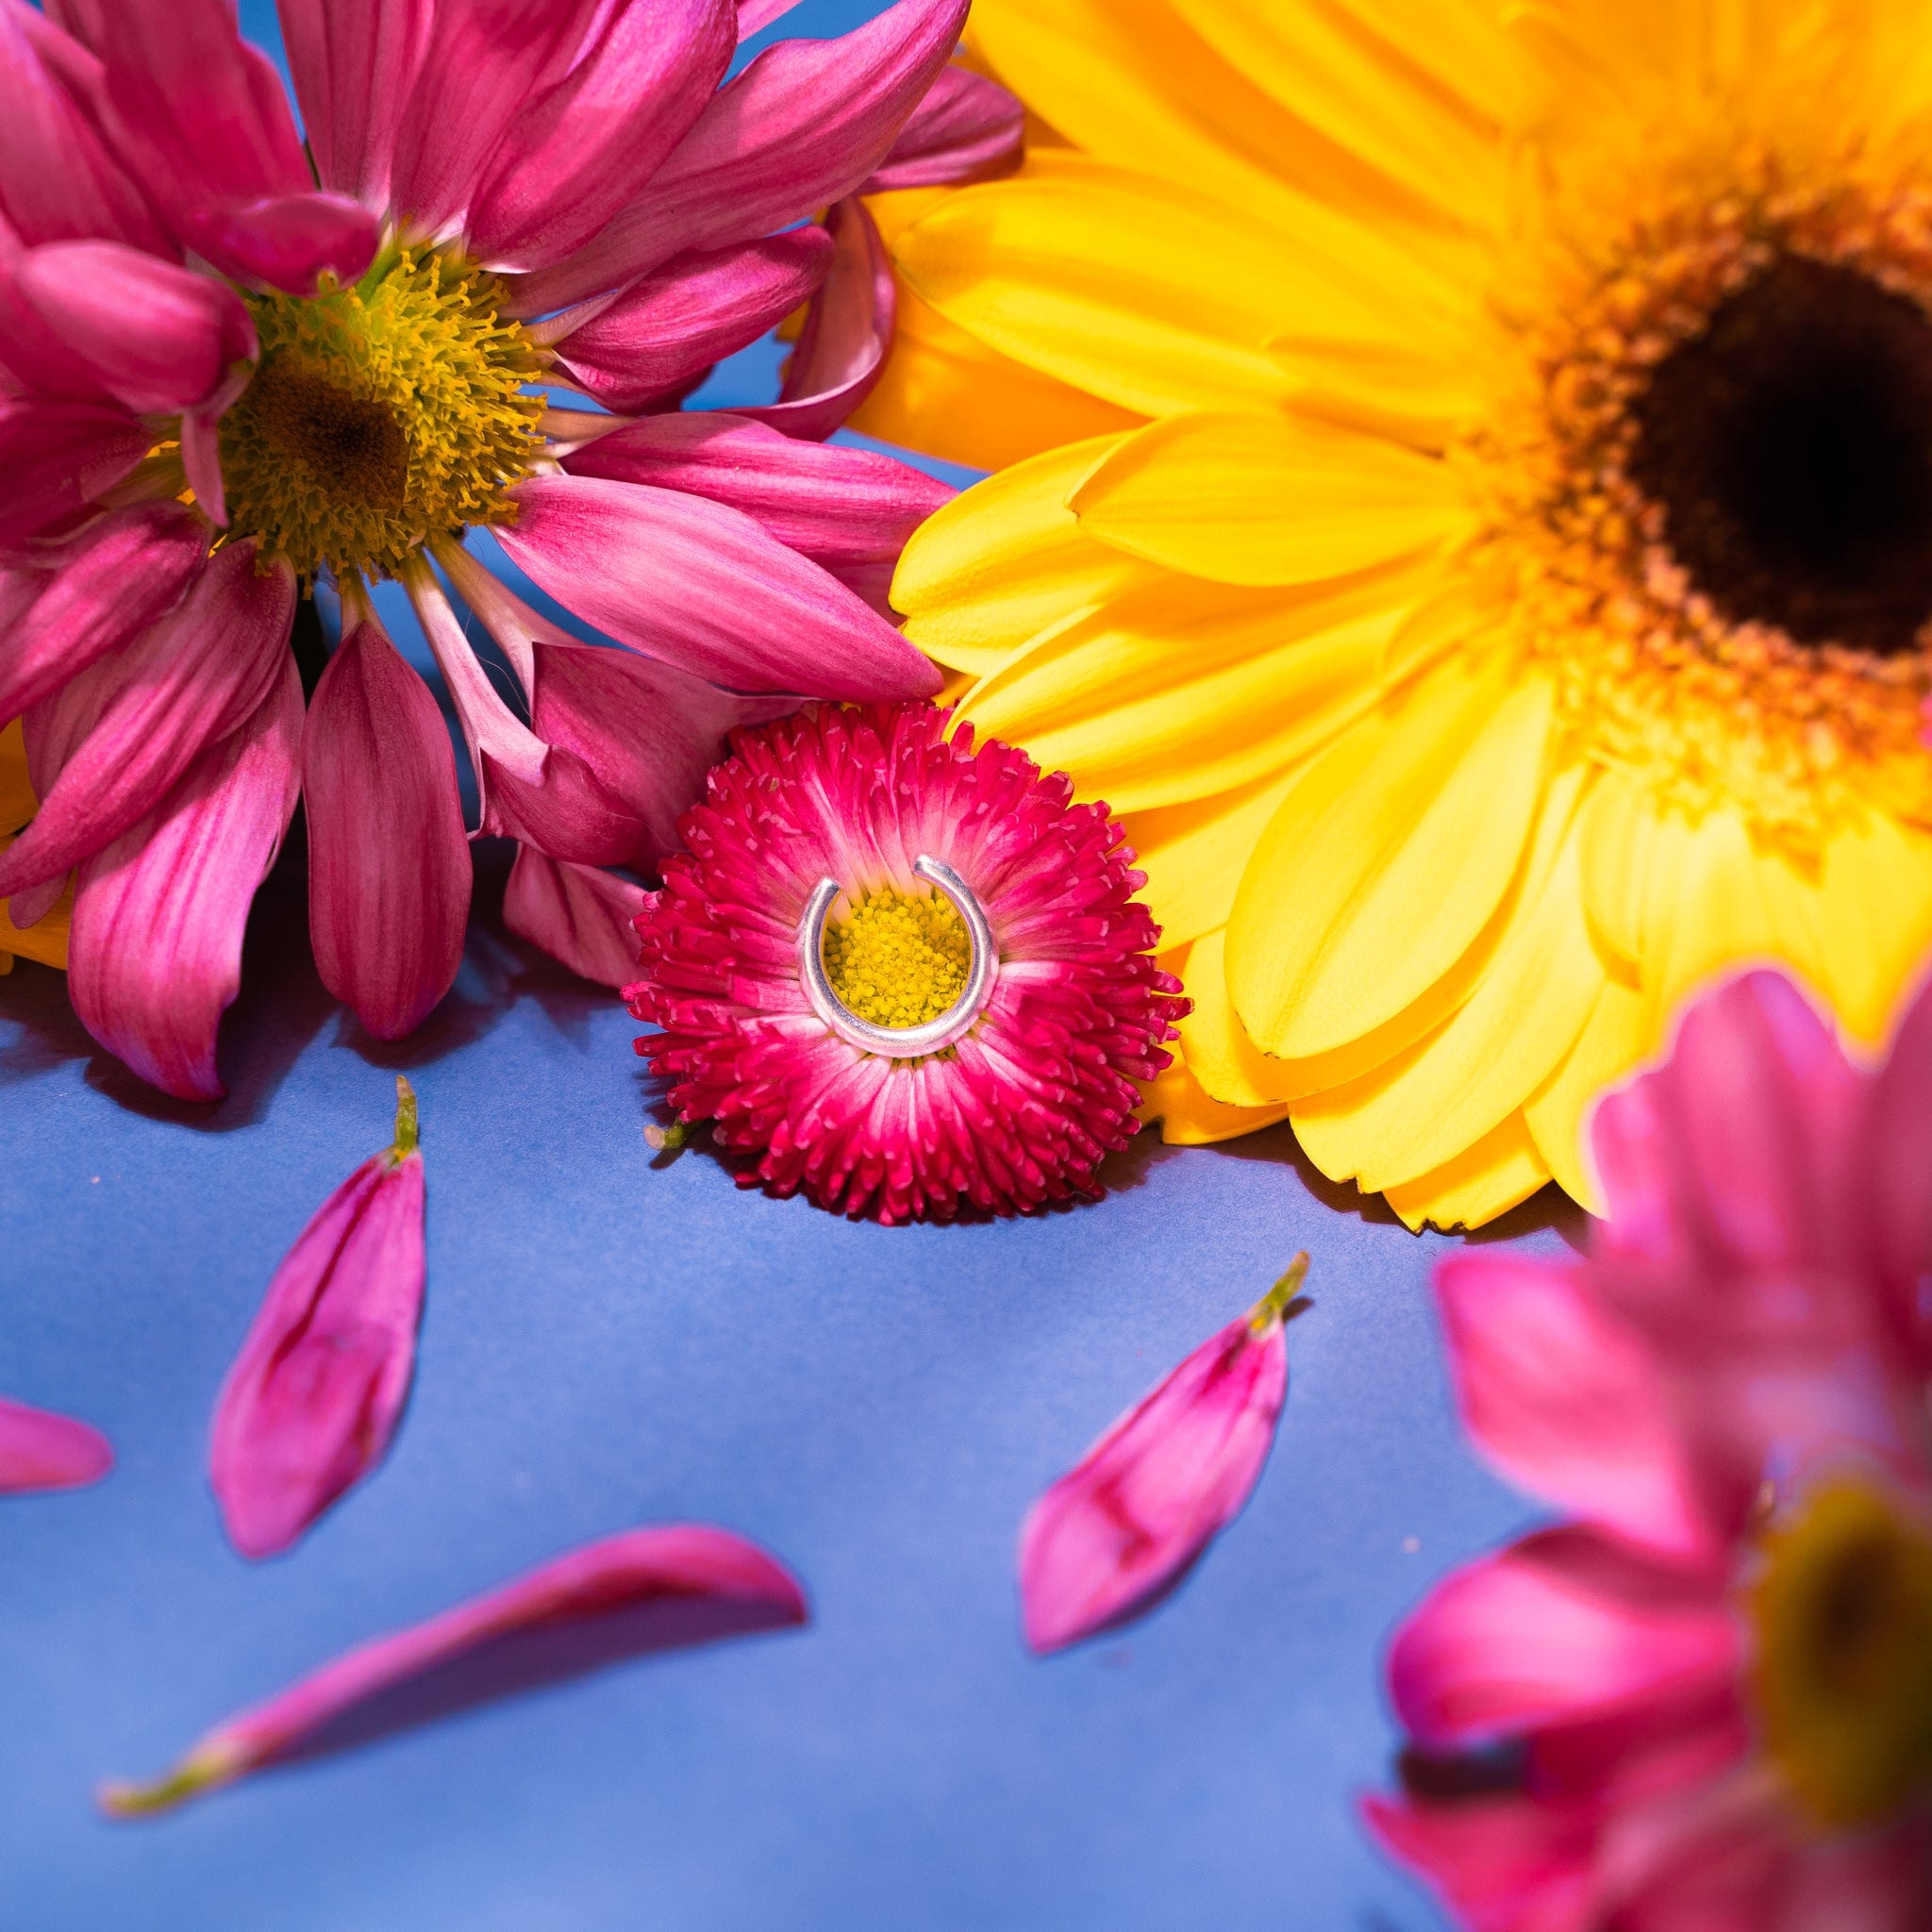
{"x": 629, "y": 1595}
{"x": 388, "y": 865}
{"x": 286, "y": 240}
{"x": 155, "y": 956}
{"x": 1559, "y": 1626}
{"x": 967, "y": 129}
{"x": 573, "y": 157}
{"x": 800, "y": 128}
{"x": 575, "y": 913}
{"x": 201, "y": 464}
{"x": 183, "y": 683}
{"x": 1897, "y": 1155}
{"x": 756, "y": 15}
{"x": 28, "y": 908}
{"x": 39, "y": 1450}
{"x": 34, "y": 361}
{"x": 1566, "y": 1400}
{"x": 649, "y": 344}
{"x": 849, "y": 329}
{"x": 1146, "y": 1499}
{"x": 123, "y": 575}
{"x": 1501, "y": 1864}
{"x": 312, "y": 1401}
{"x": 704, "y": 588}
{"x": 354, "y": 62}
{"x": 55, "y": 457}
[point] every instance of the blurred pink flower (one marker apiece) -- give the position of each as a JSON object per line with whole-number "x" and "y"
{"x": 1709, "y": 1693}
{"x": 220, "y": 382}
{"x": 314, "y": 1395}
{"x": 1147, "y": 1498}
{"x": 39, "y": 1450}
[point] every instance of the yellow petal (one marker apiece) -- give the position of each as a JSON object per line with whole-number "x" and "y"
{"x": 1269, "y": 498}
{"x": 1388, "y": 859}
{"x": 1613, "y": 1042}
{"x": 1194, "y": 854}
{"x": 1006, "y": 560}
{"x": 17, "y": 801}
{"x": 1189, "y": 1117}
{"x": 1876, "y": 920}
{"x": 1218, "y": 1050}
{"x": 1620, "y": 828}
{"x": 1501, "y": 1170}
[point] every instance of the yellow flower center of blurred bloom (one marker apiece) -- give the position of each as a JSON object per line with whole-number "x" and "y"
{"x": 1843, "y": 1613}
{"x": 380, "y": 415}
{"x": 898, "y": 958}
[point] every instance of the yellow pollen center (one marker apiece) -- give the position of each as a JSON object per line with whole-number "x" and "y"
{"x": 1843, "y": 1613}
{"x": 898, "y": 959}
{"x": 380, "y": 415}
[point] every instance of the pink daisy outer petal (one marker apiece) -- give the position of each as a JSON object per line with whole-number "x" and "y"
{"x": 570, "y": 159}
{"x": 39, "y": 1450}
{"x": 849, "y": 510}
{"x": 646, "y": 347}
{"x": 389, "y": 862}
{"x": 703, "y": 587}
{"x": 1501, "y": 1864}
{"x": 354, "y": 62}
{"x": 1896, "y": 1153}
{"x": 800, "y": 128}
{"x": 154, "y": 956}
{"x": 121, "y": 735}
{"x": 286, "y": 242}
{"x": 847, "y": 332}
{"x": 1023, "y": 1108}
{"x": 967, "y": 129}
{"x": 756, "y": 15}
{"x": 55, "y": 457}
{"x": 577, "y": 913}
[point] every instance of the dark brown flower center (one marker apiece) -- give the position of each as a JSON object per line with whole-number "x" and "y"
{"x": 1789, "y": 448}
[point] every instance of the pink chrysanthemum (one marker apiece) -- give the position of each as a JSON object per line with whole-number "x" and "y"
{"x": 1713, "y": 1687}
{"x": 233, "y": 365}
{"x": 902, "y": 972}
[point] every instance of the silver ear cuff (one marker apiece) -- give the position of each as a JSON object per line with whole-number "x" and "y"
{"x": 930, "y": 1036}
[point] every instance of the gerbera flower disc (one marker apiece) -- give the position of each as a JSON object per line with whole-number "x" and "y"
{"x": 901, "y": 972}
{"x": 1470, "y": 511}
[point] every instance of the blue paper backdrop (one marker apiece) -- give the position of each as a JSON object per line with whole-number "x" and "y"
{"x": 612, "y": 1340}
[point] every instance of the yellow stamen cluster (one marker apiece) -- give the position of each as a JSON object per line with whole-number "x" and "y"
{"x": 380, "y": 415}
{"x": 897, "y": 958}
{"x": 1843, "y": 1613}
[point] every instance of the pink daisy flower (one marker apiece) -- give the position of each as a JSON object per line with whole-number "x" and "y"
{"x": 900, "y": 972}
{"x": 1709, "y": 1695}
{"x": 227, "y": 375}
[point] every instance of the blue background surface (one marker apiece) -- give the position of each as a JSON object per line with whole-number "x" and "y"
{"x": 612, "y": 1339}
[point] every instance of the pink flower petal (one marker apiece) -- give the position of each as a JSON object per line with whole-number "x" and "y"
{"x": 704, "y": 589}
{"x": 286, "y": 240}
{"x": 139, "y": 718}
{"x": 312, "y": 1399}
{"x": 967, "y": 129}
{"x": 1897, "y": 1155}
{"x": 755, "y": 15}
{"x": 39, "y": 1450}
{"x": 389, "y": 865}
{"x": 55, "y": 457}
{"x": 1147, "y": 1498}
{"x": 123, "y": 575}
{"x": 573, "y": 157}
{"x": 354, "y": 62}
{"x": 849, "y": 329}
{"x": 800, "y": 128}
{"x": 1501, "y": 1864}
{"x": 155, "y": 956}
{"x": 647, "y": 1590}
{"x": 576, "y": 914}
{"x": 657, "y": 336}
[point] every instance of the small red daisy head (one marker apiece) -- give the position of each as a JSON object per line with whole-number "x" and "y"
{"x": 902, "y": 971}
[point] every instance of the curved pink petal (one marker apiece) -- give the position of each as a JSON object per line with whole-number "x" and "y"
{"x": 388, "y": 865}
{"x": 352, "y": 62}
{"x": 800, "y": 128}
{"x": 1559, "y": 1626}
{"x": 34, "y": 361}
{"x": 1501, "y": 1864}
{"x": 39, "y": 1450}
{"x": 571, "y": 158}
{"x": 310, "y": 1402}
{"x": 967, "y": 129}
{"x": 120, "y": 575}
{"x": 756, "y": 15}
{"x": 135, "y": 722}
{"x": 1151, "y": 1494}
{"x": 649, "y": 1590}
{"x": 1897, "y": 1155}
{"x": 645, "y": 347}
{"x": 704, "y": 588}
{"x": 577, "y": 913}
{"x": 286, "y": 240}
{"x": 56, "y": 457}
{"x": 843, "y": 350}
{"x": 155, "y": 956}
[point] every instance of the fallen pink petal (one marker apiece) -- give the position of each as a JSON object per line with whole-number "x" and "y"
{"x": 39, "y": 1450}
{"x": 630, "y": 1595}
{"x": 1150, "y": 1495}
{"x": 312, "y": 1400}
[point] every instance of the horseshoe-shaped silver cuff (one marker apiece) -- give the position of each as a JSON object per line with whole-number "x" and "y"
{"x": 930, "y": 1036}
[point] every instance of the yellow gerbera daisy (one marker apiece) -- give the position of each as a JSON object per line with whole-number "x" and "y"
{"x": 1469, "y": 509}
{"x": 46, "y": 939}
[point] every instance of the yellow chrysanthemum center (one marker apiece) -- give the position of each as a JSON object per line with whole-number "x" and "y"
{"x": 380, "y": 415}
{"x": 898, "y": 958}
{"x": 1843, "y": 1613}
